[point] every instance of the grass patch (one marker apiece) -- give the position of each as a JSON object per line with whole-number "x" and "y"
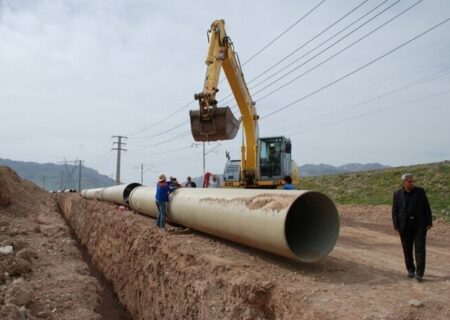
{"x": 377, "y": 187}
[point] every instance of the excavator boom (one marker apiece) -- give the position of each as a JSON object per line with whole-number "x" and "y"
{"x": 211, "y": 123}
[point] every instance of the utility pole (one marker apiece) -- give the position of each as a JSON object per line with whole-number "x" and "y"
{"x": 204, "y": 154}
{"x": 141, "y": 167}
{"x": 62, "y": 180}
{"x": 70, "y": 181}
{"x": 80, "y": 164}
{"x": 119, "y": 149}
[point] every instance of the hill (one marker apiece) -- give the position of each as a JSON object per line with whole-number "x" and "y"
{"x": 36, "y": 172}
{"x": 311, "y": 170}
{"x": 376, "y": 187}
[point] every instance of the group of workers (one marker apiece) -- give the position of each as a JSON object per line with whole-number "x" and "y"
{"x": 411, "y": 217}
{"x": 164, "y": 187}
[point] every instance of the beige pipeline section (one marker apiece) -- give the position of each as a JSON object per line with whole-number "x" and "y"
{"x": 92, "y": 194}
{"x": 303, "y": 225}
{"x": 119, "y": 194}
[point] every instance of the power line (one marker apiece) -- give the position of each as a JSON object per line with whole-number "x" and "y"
{"x": 313, "y": 38}
{"x": 159, "y": 153}
{"x": 103, "y": 153}
{"x": 322, "y": 116}
{"x": 356, "y": 70}
{"x": 283, "y": 33}
{"x": 181, "y": 135}
{"x": 419, "y": 70}
{"x": 330, "y": 46}
{"x": 373, "y": 111}
{"x": 332, "y": 56}
{"x": 184, "y": 122}
{"x": 162, "y": 120}
{"x": 309, "y": 41}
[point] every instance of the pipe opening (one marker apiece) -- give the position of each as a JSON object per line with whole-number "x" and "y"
{"x": 312, "y": 226}
{"x": 127, "y": 191}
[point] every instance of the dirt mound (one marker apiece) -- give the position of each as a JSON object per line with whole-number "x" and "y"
{"x": 22, "y": 197}
{"x": 42, "y": 273}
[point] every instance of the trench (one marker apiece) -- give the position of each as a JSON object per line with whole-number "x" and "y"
{"x": 163, "y": 275}
{"x": 109, "y": 307}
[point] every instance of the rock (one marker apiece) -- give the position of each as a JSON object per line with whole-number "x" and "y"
{"x": 19, "y": 266}
{"x": 26, "y": 254}
{"x": 19, "y": 293}
{"x": 17, "y": 243}
{"x": 6, "y": 250}
{"x": 415, "y": 303}
{"x": 10, "y": 312}
{"x": 26, "y": 314}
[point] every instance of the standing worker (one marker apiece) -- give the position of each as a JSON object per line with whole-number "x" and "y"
{"x": 190, "y": 183}
{"x": 162, "y": 198}
{"x": 215, "y": 183}
{"x": 411, "y": 216}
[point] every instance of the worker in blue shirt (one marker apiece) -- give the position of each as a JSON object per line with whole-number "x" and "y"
{"x": 288, "y": 183}
{"x": 162, "y": 199}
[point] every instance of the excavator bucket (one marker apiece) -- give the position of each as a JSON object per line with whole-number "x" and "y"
{"x": 222, "y": 125}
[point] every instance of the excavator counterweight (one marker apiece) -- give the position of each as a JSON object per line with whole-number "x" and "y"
{"x": 221, "y": 124}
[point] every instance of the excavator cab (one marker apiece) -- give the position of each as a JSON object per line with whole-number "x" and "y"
{"x": 274, "y": 158}
{"x": 214, "y": 124}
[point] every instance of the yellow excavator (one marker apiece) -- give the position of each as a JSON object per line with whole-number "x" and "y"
{"x": 264, "y": 161}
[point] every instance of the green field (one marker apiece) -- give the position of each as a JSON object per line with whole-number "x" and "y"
{"x": 376, "y": 187}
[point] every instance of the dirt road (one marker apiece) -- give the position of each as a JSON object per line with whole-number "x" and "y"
{"x": 190, "y": 275}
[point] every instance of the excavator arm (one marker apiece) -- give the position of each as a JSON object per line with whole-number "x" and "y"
{"x": 211, "y": 123}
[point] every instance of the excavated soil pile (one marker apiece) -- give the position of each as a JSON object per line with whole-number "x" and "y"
{"x": 188, "y": 275}
{"x": 42, "y": 273}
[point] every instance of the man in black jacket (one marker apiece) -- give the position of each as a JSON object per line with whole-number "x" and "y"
{"x": 411, "y": 216}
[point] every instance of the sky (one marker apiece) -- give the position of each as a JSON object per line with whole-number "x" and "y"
{"x": 346, "y": 81}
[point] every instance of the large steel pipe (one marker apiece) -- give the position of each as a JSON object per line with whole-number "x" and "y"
{"x": 119, "y": 194}
{"x": 92, "y": 194}
{"x": 303, "y": 225}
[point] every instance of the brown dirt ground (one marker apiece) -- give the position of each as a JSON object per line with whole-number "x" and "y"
{"x": 189, "y": 275}
{"x": 45, "y": 255}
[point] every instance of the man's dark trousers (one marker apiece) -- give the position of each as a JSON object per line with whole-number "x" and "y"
{"x": 413, "y": 236}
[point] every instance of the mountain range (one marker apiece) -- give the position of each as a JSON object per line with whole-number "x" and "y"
{"x": 312, "y": 170}
{"x": 52, "y": 176}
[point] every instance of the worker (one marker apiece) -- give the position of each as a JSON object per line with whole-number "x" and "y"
{"x": 288, "y": 183}
{"x": 162, "y": 198}
{"x": 190, "y": 183}
{"x": 174, "y": 183}
{"x": 412, "y": 218}
{"x": 215, "y": 183}
{"x": 274, "y": 161}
